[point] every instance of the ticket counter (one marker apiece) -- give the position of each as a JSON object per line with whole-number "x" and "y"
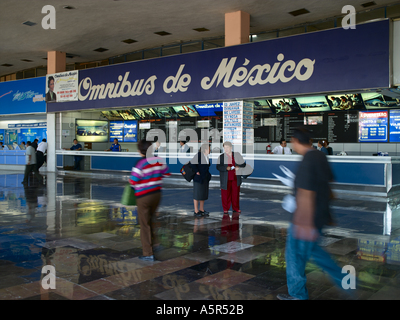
{"x": 374, "y": 176}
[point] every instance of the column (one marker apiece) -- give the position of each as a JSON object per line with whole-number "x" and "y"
{"x": 56, "y": 62}
{"x": 237, "y": 28}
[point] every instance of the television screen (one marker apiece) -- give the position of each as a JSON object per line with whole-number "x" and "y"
{"x": 91, "y": 130}
{"x": 186, "y": 111}
{"x": 373, "y": 100}
{"x": 145, "y": 113}
{"x": 284, "y": 105}
{"x": 346, "y": 102}
{"x": 164, "y": 112}
{"x": 128, "y": 115}
{"x": 313, "y": 120}
{"x": 313, "y": 104}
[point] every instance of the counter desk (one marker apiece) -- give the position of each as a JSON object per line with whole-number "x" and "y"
{"x": 374, "y": 176}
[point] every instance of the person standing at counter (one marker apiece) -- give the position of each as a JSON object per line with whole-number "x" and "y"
{"x": 115, "y": 147}
{"x": 77, "y": 159}
{"x": 3, "y": 146}
{"x": 40, "y": 153}
{"x": 184, "y": 148}
{"x": 228, "y": 164}
{"x": 322, "y": 146}
{"x": 201, "y": 164}
{"x": 282, "y": 148}
{"x": 30, "y": 157}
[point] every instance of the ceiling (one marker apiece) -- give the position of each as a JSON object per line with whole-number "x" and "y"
{"x": 105, "y": 23}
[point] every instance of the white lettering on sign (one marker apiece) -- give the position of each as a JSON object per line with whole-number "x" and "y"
{"x": 230, "y": 77}
{"x": 112, "y": 90}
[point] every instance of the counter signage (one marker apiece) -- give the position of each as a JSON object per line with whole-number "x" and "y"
{"x": 116, "y": 130}
{"x": 130, "y": 131}
{"x": 373, "y": 126}
{"x": 289, "y": 66}
{"x": 394, "y": 129}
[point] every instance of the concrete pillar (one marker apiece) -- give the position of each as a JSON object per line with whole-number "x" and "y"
{"x": 237, "y": 28}
{"x": 56, "y": 62}
{"x": 51, "y": 143}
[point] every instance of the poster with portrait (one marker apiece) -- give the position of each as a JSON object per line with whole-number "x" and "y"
{"x": 61, "y": 87}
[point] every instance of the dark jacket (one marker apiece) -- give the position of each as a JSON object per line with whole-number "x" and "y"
{"x": 222, "y": 168}
{"x": 199, "y": 164}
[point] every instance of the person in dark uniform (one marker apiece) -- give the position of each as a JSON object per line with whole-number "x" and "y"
{"x": 115, "y": 147}
{"x": 77, "y": 159}
{"x": 201, "y": 164}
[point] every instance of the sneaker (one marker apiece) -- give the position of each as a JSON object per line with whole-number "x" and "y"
{"x": 147, "y": 258}
{"x": 204, "y": 213}
{"x": 284, "y": 296}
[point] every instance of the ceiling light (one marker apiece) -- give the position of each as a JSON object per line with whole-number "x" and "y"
{"x": 71, "y": 55}
{"x": 201, "y": 29}
{"x": 299, "y": 12}
{"x": 29, "y": 23}
{"x": 6, "y": 65}
{"x": 26, "y": 60}
{"x": 129, "y": 41}
{"x": 368, "y": 4}
{"x": 68, "y": 7}
{"x": 162, "y": 33}
{"x": 100, "y": 49}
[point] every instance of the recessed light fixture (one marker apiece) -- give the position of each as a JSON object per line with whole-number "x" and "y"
{"x": 6, "y": 65}
{"x": 100, "y": 49}
{"x": 299, "y": 12}
{"x": 71, "y": 55}
{"x": 68, "y": 7}
{"x": 26, "y": 60}
{"x": 201, "y": 29}
{"x": 162, "y": 33}
{"x": 129, "y": 41}
{"x": 29, "y": 23}
{"x": 368, "y": 4}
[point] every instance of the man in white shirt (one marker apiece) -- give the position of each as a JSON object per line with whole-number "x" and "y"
{"x": 40, "y": 153}
{"x": 30, "y": 157}
{"x": 184, "y": 148}
{"x": 282, "y": 148}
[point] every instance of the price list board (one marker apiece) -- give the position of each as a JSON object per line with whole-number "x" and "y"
{"x": 341, "y": 127}
{"x": 373, "y": 126}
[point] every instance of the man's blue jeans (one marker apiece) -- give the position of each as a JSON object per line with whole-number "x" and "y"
{"x": 298, "y": 252}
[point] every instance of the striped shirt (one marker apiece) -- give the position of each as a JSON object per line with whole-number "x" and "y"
{"x": 146, "y": 176}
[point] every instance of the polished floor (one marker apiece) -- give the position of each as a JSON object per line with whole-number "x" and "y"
{"x": 76, "y": 224}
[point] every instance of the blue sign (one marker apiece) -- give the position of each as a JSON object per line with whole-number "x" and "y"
{"x": 209, "y": 109}
{"x": 304, "y": 64}
{"x": 394, "y": 129}
{"x": 116, "y": 130}
{"x": 130, "y": 131}
{"x": 32, "y": 134}
{"x": 373, "y": 126}
{"x": 23, "y": 96}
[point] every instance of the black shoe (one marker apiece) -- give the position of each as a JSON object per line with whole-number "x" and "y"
{"x": 204, "y": 213}
{"x": 198, "y": 214}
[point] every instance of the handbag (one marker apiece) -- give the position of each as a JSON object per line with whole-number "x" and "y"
{"x": 245, "y": 172}
{"x": 188, "y": 172}
{"x": 128, "y": 196}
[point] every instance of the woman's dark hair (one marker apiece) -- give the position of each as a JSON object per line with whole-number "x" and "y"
{"x": 303, "y": 135}
{"x": 48, "y": 81}
{"x": 143, "y": 145}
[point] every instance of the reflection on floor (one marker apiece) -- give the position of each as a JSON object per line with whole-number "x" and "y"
{"x": 78, "y": 226}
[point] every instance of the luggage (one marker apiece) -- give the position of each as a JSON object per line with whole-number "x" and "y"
{"x": 128, "y": 196}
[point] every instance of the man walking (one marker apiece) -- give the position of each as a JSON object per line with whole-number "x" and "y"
{"x": 30, "y": 157}
{"x": 312, "y": 194}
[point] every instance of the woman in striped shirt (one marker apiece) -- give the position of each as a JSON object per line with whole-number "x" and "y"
{"x": 146, "y": 179}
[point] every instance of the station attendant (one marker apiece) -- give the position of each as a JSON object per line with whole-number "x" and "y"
{"x": 77, "y": 159}
{"x": 115, "y": 147}
{"x": 228, "y": 164}
{"x": 282, "y": 148}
